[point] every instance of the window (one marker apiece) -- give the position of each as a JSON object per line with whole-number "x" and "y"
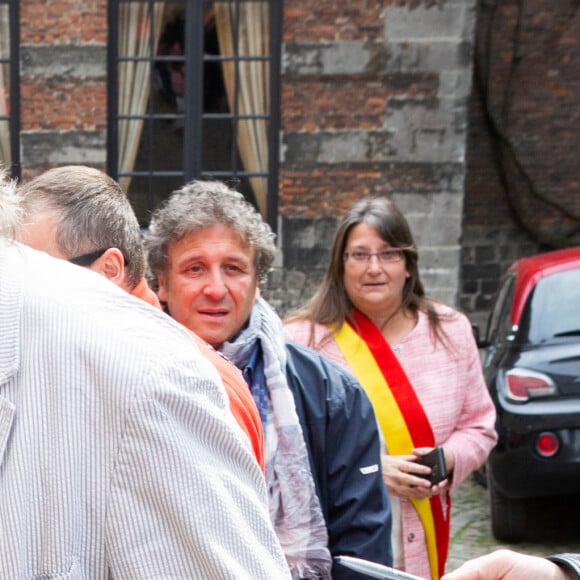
{"x": 500, "y": 326}
{"x": 193, "y": 93}
{"x": 9, "y": 87}
{"x": 552, "y": 310}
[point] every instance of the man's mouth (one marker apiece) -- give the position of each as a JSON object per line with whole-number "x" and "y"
{"x": 213, "y": 313}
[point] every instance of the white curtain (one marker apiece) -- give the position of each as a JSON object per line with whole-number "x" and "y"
{"x": 5, "y": 154}
{"x": 252, "y": 83}
{"x": 134, "y": 76}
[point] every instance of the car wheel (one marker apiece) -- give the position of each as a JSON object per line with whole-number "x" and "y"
{"x": 508, "y": 516}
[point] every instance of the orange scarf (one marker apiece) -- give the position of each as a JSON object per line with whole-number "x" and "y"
{"x": 401, "y": 417}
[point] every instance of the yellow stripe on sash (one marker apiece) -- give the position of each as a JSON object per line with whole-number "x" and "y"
{"x": 390, "y": 419}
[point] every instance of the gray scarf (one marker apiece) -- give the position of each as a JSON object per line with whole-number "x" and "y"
{"x": 294, "y": 506}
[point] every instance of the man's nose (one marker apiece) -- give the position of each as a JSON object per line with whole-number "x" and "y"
{"x": 215, "y": 286}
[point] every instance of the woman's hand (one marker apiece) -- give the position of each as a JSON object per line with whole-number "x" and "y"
{"x": 400, "y": 473}
{"x": 448, "y": 454}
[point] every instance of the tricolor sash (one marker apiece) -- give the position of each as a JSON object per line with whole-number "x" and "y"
{"x": 401, "y": 418}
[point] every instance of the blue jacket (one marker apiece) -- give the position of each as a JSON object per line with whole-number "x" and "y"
{"x": 342, "y": 438}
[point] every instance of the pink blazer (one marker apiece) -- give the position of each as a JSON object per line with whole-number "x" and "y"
{"x": 450, "y": 385}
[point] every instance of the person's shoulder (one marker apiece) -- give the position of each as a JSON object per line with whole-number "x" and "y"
{"x": 451, "y": 317}
{"x": 95, "y": 310}
{"x": 303, "y": 331}
{"x": 300, "y": 354}
{"x": 444, "y": 310}
{"x": 455, "y": 329}
{"x": 309, "y": 363}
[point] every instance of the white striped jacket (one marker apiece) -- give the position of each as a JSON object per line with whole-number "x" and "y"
{"x": 119, "y": 457}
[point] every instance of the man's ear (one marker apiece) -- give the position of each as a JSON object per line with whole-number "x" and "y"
{"x": 161, "y": 291}
{"x": 111, "y": 265}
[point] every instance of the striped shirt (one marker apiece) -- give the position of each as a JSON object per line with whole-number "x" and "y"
{"x": 118, "y": 454}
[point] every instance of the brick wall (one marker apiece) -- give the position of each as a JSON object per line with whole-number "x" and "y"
{"x": 522, "y": 190}
{"x": 63, "y": 83}
{"x": 374, "y": 102}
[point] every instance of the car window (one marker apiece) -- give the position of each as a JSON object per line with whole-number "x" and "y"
{"x": 553, "y": 309}
{"x": 499, "y": 323}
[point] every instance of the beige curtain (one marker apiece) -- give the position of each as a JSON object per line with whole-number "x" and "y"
{"x": 134, "y": 41}
{"x": 252, "y": 83}
{"x": 5, "y": 154}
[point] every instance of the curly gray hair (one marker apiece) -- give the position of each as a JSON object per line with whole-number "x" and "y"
{"x": 201, "y": 204}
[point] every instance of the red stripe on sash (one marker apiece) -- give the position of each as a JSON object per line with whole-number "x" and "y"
{"x": 411, "y": 408}
{"x": 416, "y": 419}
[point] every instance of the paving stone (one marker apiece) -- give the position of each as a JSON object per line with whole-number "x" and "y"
{"x": 471, "y": 528}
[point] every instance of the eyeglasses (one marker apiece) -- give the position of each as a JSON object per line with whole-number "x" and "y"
{"x": 386, "y": 256}
{"x": 87, "y": 259}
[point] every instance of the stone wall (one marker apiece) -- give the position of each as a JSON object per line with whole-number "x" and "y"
{"x": 523, "y": 179}
{"x": 374, "y": 102}
{"x": 63, "y": 59}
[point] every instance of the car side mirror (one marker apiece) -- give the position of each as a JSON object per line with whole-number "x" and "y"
{"x": 481, "y": 342}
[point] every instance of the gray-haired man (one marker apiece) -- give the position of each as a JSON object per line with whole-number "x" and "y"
{"x": 210, "y": 251}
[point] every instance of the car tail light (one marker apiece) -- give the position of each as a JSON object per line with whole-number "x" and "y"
{"x": 522, "y": 385}
{"x": 547, "y": 444}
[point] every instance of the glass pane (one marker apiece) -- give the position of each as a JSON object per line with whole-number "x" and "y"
{"x": 242, "y": 27}
{"x": 5, "y": 154}
{"x": 169, "y": 79}
{"x": 214, "y": 90}
{"x": 554, "y": 307}
{"x": 253, "y": 142}
{"x": 4, "y": 32}
{"x": 147, "y": 193}
{"x": 161, "y": 146}
{"x": 253, "y": 87}
{"x": 219, "y": 151}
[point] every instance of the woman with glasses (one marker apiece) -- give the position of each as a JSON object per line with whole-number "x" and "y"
{"x": 417, "y": 360}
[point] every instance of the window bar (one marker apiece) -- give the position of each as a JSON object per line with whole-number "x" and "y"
{"x": 113, "y": 91}
{"x": 236, "y": 111}
{"x": 193, "y": 128}
{"x": 150, "y": 119}
{"x": 276, "y": 13}
{"x": 14, "y": 20}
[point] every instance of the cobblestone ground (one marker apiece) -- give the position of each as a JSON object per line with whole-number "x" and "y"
{"x": 557, "y": 529}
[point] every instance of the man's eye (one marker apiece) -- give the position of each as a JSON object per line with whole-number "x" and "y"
{"x": 232, "y": 268}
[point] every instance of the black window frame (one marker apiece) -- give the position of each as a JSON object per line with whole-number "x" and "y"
{"x": 194, "y": 59}
{"x": 13, "y": 61}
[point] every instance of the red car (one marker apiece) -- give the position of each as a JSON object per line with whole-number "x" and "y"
{"x": 532, "y": 368}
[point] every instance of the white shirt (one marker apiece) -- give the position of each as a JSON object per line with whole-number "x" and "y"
{"x": 118, "y": 454}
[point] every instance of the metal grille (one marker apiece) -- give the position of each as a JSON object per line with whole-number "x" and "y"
{"x": 188, "y": 121}
{"x": 10, "y": 87}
